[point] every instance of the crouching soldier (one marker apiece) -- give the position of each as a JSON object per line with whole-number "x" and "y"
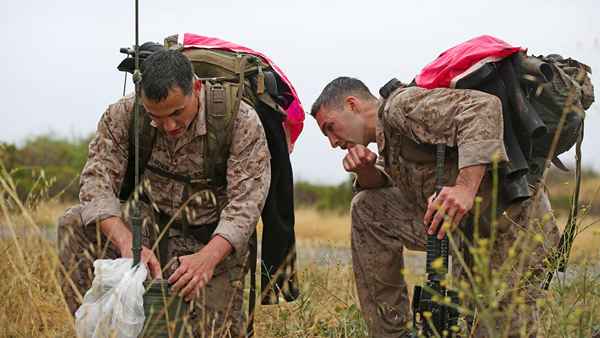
{"x": 208, "y": 237}
{"x": 396, "y": 208}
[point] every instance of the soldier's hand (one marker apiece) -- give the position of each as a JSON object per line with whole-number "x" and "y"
{"x": 193, "y": 273}
{"x": 358, "y": 159}
{"x": 449, "y": 207}
{"x": 149, "y": 258}
{"x": 196, "y": 270}
{"x": 115, "y": 229}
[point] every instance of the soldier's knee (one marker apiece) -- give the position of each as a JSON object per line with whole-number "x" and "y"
{"x": 362, "y": 205}
{"x": 69, "y": 224}
{"x": 360, "y": 201}
{"x": 72, "y": 216}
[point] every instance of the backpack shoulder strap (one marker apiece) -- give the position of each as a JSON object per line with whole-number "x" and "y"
{"x": 147, "y": 137}
{"x": 221, "y": 112}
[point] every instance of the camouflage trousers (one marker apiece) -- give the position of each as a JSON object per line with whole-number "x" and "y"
{"x": 217, "y": 312}
{"x": 384, "y": 223}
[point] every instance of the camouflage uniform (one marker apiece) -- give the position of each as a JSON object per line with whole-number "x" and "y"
{"x": 238, "y": 207}
{"x": 389, "y": 219}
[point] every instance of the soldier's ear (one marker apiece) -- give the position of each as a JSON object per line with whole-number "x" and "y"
{"x": 353, "y": 103}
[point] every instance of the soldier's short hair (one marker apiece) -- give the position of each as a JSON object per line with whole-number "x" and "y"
{"x": 165, "y": 70}
{"x": 334, "y": 93}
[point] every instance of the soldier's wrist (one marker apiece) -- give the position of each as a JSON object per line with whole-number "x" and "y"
{"x": 367, "y": 171}
{"x": 118, "y": 233}
{"x": 371, "y": 178}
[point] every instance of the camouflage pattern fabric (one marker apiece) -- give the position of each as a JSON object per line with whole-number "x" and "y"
{"x": 236, "y": 212}
{"x": 389, "y": 219}
{"x": 238, "y": 206}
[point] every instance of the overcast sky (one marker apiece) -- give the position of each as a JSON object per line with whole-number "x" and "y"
{"x": 58, "y": 58}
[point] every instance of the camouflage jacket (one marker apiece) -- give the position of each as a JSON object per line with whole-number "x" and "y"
{"x": 469, "y": 120}
{"x": 239, "y": 204}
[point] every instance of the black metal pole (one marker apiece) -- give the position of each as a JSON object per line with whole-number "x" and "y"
{"x": 136, "y": 219}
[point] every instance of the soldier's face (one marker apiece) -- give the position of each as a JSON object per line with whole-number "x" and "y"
{"x": 175, "y": 113}
{"x": 343, "y": 127}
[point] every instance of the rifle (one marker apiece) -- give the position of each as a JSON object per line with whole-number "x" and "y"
{"x": 431, "y": 317}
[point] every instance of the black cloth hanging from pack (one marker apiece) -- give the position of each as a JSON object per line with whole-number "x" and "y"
{"x": 278, "y": 249}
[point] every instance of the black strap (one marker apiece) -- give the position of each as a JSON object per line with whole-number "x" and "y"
{"x": 162, "y": 237}
{"x": 252, "y": 257}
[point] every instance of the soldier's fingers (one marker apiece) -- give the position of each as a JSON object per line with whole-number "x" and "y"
{"x": 452, "y": 212}
{"x": 193, "y": 294}
{"x": 361, "y": 151}
{"x": 446, "y": 223}
{"x": 189, "y": 288}
{"x": 371, "y": 156}
{"x": 432, "y": 206}
{"x": 346, "y": 164}
{"x": 438, "y": 218}
{"x": 152, "y": 263}
{"x": 430, "y": 210}
{"x": 178, "y": 273}
{"x": 205, "y": 279}
{"x": 351, "y": 163}
{"x": 154, "y": 267}
{"x": 182, "y": 281}
{"x": 441, "y": 233}
{"x": 202, "y": 281}
{"x": 366, "y": 156}
{"x": 428, "y": 214}
{"x": 354, "y": 155}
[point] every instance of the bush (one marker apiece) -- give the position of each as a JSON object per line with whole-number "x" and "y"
{"x": 46, "y": 165}
{"x": 50, "y": 165}
{"x": 324, "y": 197}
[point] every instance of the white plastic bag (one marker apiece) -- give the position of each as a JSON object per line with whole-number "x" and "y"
{"x": 114, "y": 305}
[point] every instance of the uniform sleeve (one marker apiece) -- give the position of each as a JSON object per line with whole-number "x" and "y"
{"x": 106, "y": 165}
{"x": 248, "y": 180}
{"x": 468, "y": 119}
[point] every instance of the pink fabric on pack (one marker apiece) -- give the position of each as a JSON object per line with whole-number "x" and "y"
{"x": 295, "y": 113}
{"x": 461, "y": 58}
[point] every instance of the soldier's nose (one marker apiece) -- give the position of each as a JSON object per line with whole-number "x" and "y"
{"x": 169, "y": 125}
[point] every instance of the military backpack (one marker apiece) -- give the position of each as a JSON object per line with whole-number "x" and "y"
{"x": 229, "y": 78}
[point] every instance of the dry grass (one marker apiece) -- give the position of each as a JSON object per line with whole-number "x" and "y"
{"x": 327, "y": 307}
{"x": 586, "y": 242}
{"x": 321, "y": 228}
{"x": 32, "y": 305}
